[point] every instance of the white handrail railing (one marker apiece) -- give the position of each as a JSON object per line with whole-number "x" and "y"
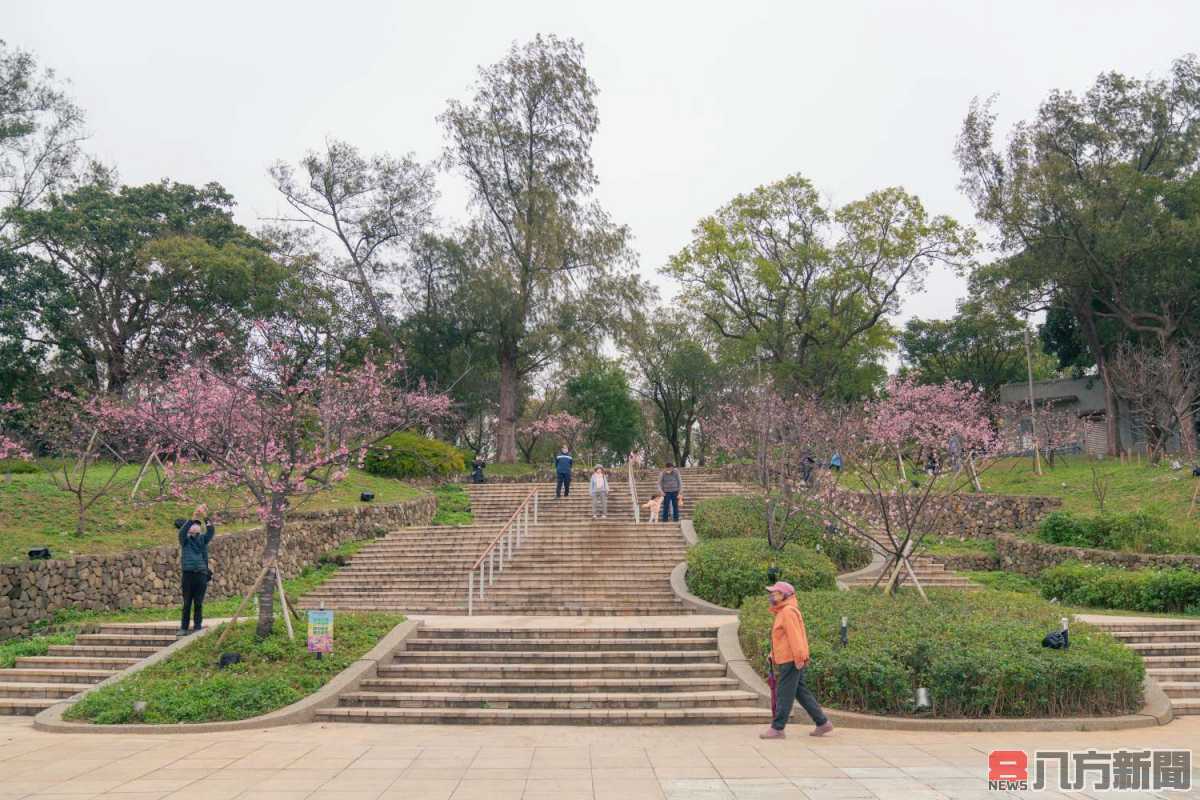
{"x": 637, "y": 509}
{"x": 511, "y": 534}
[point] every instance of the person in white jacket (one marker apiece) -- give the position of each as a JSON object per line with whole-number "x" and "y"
{"x": 598, "y": 489}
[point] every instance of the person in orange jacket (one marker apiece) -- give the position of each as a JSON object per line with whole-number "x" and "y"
{"x": 789, "y": 656}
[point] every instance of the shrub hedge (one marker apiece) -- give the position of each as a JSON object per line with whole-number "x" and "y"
{"x": 13, "y": 466}
{"x": 1138, "y": 532}
{"x": 743, "y": 516}
{"x": 979, "y": 654}
{"x": 410, "y": 455}
{"x": 1099, "y": 586}
{"x": 727, "y": 570}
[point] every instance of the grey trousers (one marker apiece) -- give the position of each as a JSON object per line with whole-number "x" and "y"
{"x": 600, "y": 504}
{"x": 790, "y": 687}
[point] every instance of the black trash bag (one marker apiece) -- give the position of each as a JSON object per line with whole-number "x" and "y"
{"x": 1057, "y": 640}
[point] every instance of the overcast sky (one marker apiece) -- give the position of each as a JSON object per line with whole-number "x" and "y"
{"x": 698, "y": 101}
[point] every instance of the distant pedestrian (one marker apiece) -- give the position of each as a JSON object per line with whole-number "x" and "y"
{"x": 670, "y": 484}
{"x": 193, "y": 565}
{"x": 789, "y": 658}
{"x": 598, "y": 489}
{"x": 835, "y": 463}
{"x": 477, "y": 470}
{"x": 807, "y": 463}
{"x": 562, "y": 471}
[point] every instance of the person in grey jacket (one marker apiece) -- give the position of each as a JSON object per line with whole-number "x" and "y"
{"x": 670, "y": 484}
{"x": 193, "y": 565}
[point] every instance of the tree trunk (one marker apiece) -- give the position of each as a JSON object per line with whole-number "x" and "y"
{"x": 506, "y": 425}
{"x": 1112, "y": 414}
{"x": 1187, "y": 432}
{"x": 266, "y": 590}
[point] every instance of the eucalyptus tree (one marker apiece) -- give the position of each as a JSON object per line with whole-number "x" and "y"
{"x": 551, "y": 269}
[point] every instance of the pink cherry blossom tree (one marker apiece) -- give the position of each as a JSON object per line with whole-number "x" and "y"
{"x": 560, "y": 426}
{"x": 790, "y": 441}
{"x": 272, "y": 426}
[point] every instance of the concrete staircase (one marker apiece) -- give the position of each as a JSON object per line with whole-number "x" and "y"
{"x": 494, "y": 503}
{"x": 930, "y": 572}
{"x": 37, "y": 682}
{"x": 577, "y": 568}
{"x": 637, "y": 675}
{"x": 1170, "y": 649}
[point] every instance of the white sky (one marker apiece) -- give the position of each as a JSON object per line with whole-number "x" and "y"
{"x": 698, "y": 101}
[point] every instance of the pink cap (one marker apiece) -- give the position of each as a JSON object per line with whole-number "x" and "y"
{"x": 782, "y": 586}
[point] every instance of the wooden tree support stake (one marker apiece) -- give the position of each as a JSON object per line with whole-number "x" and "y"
{"x": 283, "y": 600}
{"x": 242, "y": 605}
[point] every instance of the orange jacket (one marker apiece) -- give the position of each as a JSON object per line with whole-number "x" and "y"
{"x": 789, "y": 640}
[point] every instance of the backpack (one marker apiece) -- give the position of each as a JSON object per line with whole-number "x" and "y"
{"x": 1056, "y": 640}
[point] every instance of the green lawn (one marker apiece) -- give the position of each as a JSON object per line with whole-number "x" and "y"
{"x": 1131, "y": 487}
{"x": 453, "y": 505}
{"x": 35, "y": 513}
{"x": 273, "y": 673}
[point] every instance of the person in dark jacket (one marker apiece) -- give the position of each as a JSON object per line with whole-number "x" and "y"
{"x": 670, "y": 484}
{"x": 562, "y": 470}
{"x": 193, "y": 564}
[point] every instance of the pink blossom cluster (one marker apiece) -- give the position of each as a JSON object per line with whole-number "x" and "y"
{"x": 930, "y": 418}
{"x": 560, "y": 425}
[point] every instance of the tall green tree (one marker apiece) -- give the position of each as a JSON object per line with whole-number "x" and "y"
{"x": 40, "y": 132}
{"x": 118, "y": 279}
{"x": 677, "y": 375}
{"x": 552, "y": 269}
{"x": 601, "y": 396}
{"x": 1097, "y": 199}
{"x": 979, "y": 345}
{"x": 806, "y": 289}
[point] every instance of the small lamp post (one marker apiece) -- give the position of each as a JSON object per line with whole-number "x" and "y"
{"x": 772, "y": 574}
{"x": 845, "y": 633}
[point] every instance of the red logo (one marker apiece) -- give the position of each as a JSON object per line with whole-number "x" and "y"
{"x": 1008, "y": 765}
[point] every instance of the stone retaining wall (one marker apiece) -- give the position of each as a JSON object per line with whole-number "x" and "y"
{"x": 970, "y": 515}
{"x": 33, "y": 591}
{"x": 969, "y": 562}
{"x": 1029, "y": 557}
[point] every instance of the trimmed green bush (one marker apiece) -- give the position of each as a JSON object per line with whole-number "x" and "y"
{"x": 744, "y": 516}
{"x": 727, "y": 570}
{"x": 1138, "y": 532}
{"x": 978, "y": 653}
{"x": 13, "y": 466}
{"x": 1098, "y": 586}
{"x": 411, "y": 455}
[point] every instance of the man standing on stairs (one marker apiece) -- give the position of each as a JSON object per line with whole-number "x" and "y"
{"x": 562, "y": 470}
{"x": 670, "y": 484}
{"x": 789, "y": 658}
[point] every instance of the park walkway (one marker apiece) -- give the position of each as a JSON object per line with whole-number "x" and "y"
{"x": 434, "y": 762}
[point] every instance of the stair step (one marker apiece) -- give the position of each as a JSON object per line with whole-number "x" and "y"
{"x": 551, "y": 685}
{"x": 492, "y": 670}
{"x": 127, "y": 639}
{"x": 610, "y": 644}
{"x": 25, "y": 706}
{"x": 101, "y": 651}
{"x": 54, "y": 675}
{"x": 552, "y": 656}
{"x": 547, "y": 700}
{"x": 548, "y": 716}
{"x": 17, "y": 689}
{"x": 653, "y": 634}
{"x": 80, "y": 662}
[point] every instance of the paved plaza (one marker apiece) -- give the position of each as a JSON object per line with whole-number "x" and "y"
{"x": 413, "y": 762}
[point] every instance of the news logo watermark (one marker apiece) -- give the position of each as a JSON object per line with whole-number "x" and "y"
{"x": 1061, "y": 770}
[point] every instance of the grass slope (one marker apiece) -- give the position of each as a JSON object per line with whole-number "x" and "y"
{"x": 35, "y": 513}
{"x": 273, "y": 673}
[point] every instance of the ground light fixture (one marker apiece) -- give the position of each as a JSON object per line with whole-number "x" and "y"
{"x": 844, "y": 636}
{"x": 39, "y": 554}
{"x": 772, "y": 575}
{"x": 367, "y": 497}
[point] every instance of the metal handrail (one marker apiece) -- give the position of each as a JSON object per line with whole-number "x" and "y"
{"x": 511, "y": 534}
{"x": 637, "y": 509}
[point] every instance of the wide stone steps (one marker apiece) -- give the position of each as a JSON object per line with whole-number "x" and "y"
{"x": 35, "y": 683}
{"x": 1170, "y": 651}
{"x": 553, "y": 675}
